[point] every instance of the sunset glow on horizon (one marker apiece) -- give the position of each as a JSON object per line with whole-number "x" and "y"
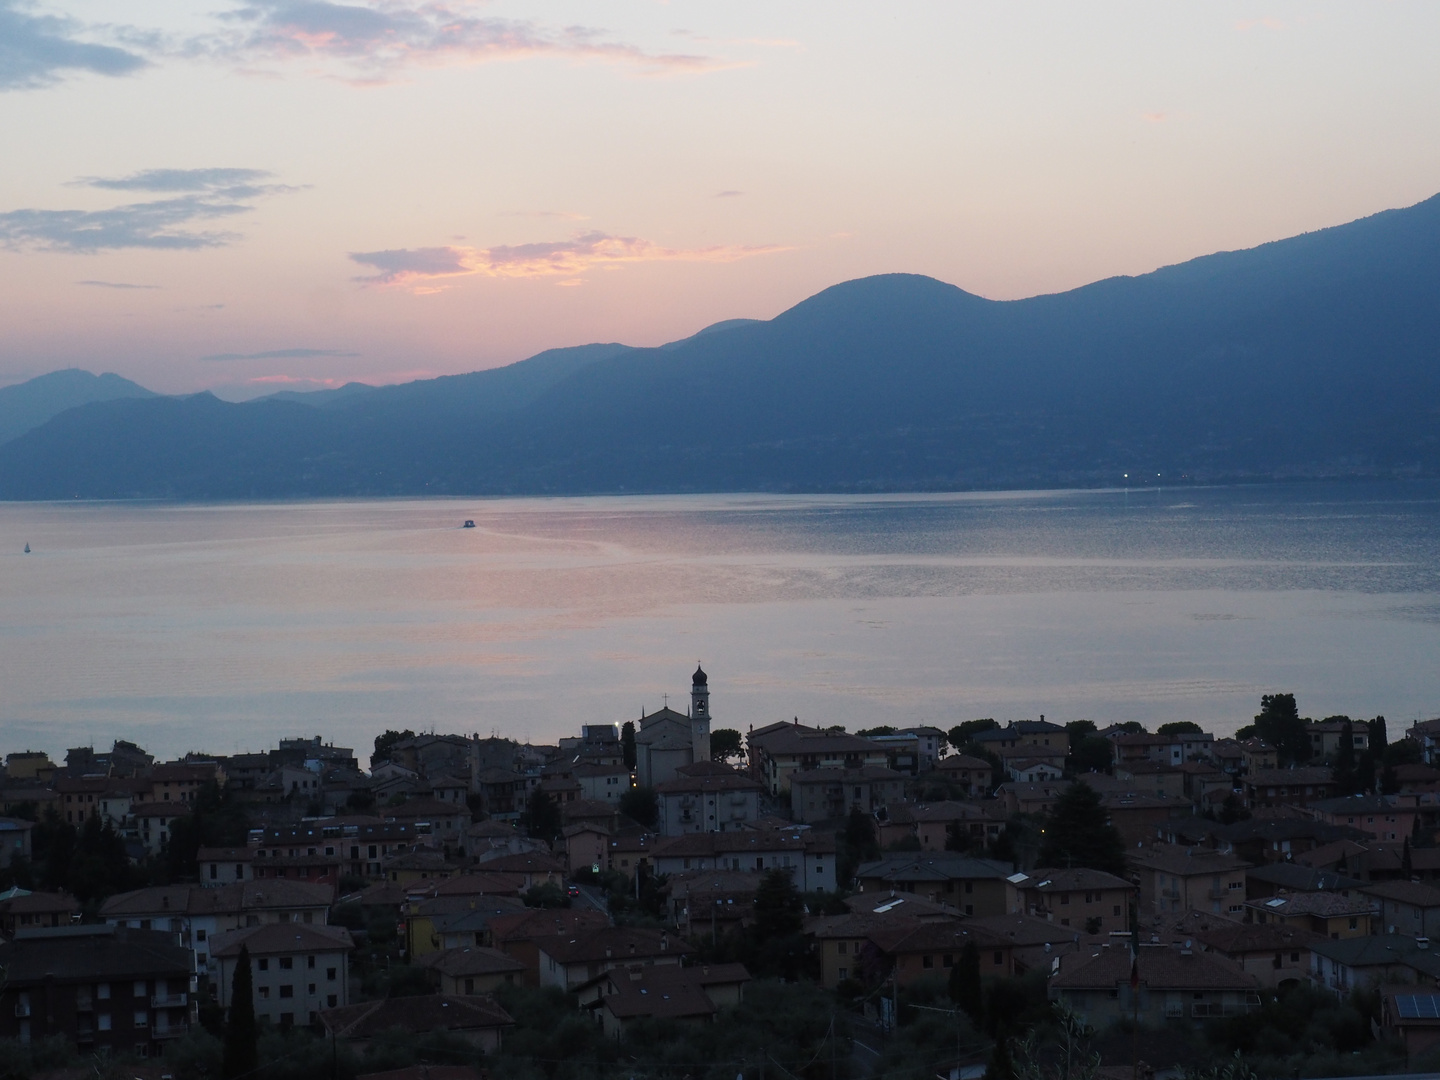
{"x": 254, "y": 195}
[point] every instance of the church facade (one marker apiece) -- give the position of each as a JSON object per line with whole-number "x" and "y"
{"x": 666, "y": 740}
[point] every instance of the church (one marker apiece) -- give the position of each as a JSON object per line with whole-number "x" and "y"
{"x": 667, "y": 740}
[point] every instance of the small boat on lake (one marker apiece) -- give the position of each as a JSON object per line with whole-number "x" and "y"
{"x": 27, "y": 549}
{"x": 468, "y": 524}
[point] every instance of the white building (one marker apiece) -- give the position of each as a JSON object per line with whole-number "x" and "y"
{"x": 296, "y": 971}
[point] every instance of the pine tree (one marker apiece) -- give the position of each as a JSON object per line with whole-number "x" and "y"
{"x": 1078, "y": 833}
{"x": 1407, "y": 869}
{"x": 241, "y": 1054}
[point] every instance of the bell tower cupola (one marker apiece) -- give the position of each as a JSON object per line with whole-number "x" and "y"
{"x": 700, "y": 714}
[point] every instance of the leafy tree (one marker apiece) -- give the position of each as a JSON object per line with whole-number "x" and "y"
{"x": 726, "y": 743}
{"x": 883, "y": 729}
{"x": 641, "y": 804}
{"x": 1344, "y": 765}
{"x": 1079, "y": 833}
{"x": 627, "y": 743}
{"x": 216, "y": 820}
{"x": 779, "y": 909}
{"x": 241, "y": 1043}
{"x": 1407, "y": 866}
{"x": 1279, "y": 724}
{"x": 1093, "y": 753}
{"x": 547, "y": 895}
{"x": 1180, "y": 727}
{"x": 957, "y": 837}
{"x": 384, "y": 742}
{"x": 1132, "y": 727}
{"x": 1078, "y": 729}
{"x": 966, "y": 989}
{"x": 961, "y": 735}
{"x": 542, "y": 817}
{"x": 1233, "y": 810}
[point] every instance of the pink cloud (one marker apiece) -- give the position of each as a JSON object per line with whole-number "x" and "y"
{"x": 376, "y": 38}
{"x": 1155, "y": 117}
{"x": 566, "y": 258}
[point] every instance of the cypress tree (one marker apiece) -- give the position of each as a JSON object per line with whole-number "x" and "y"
{"x": 241, "y": 1050}
{"x": 1345, "y": 760}
{"x": 965, "y": 988}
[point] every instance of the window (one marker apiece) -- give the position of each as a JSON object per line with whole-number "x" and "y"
{"x": 102, "y": 991}
{"x": 948, "y": 960}
{"x": 287, "y": 963}
{"x": 330, "y": 1001}
{"x": 311, "y": 989}
{"x": 287, "y": 991}
{"x": 310, "y": 962}
{"x": 1117, "y": 910}
{"x": 263, "y": 963}
{"x": 214, "y": 871}
{"x": 140, "y": 988}
{"x": 1354, "y": 924}
{"x": 102, "y": 1022}
{"x": 927, "y": 961}
{"x": 330, "y": 974}
{"x": 844, "y": 973}
{"x": 999, "y": 957}
{"x": 1065, "y": 898}
{"x": 199, "y": 935}
{"x": 265, "y": 992}
{"x": 843, "y": 946}
{"x": 142, "y": 1018}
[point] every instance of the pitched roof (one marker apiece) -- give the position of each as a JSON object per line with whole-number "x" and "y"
{"x": 1161, "y": 967}
{"x": 1080, "y": 878}
{"x": 529, "y": 862}
{"x": 729, "y": 780}
{"x": 937, "y": 867}
{"x": 1256, "y": 937}
{"x": 642, "y": 994}
{"x": 1301, "y": 878}
{"x": 431, "y": 1012}
{"x": 1182, "y": 861}
{"x": 471, "y": 960}
{"x": 1310, "y": 774}
{"x": 610, "y": 943}
{"x": 272, "y": 938}
{"x": 1415, "y": 893}
{"x": 1326, "y": 905}
{"x": 92, "y": 953}
{"x": 535, "y": 923}
{"x": 269, "y": 894}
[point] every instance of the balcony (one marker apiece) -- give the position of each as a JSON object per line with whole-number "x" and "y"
{"x": 164, "y": 1029}
{"x": 169, "y": 1001}
{"x": 1170, "y": 894}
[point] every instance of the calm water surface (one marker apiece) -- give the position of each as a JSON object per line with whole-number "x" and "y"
{"x": 228, "y": 626}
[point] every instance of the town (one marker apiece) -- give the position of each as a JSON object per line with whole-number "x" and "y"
{"x": 661, "y": 897}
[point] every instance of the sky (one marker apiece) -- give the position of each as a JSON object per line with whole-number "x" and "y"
{"x": 253, "y": 195}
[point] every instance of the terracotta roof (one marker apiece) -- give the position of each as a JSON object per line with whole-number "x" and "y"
{"x": 1323, "y": 904}
{"x": 1256, "y": 937}
{"x": 193, "y": 900}
{"x": 730, "y": 780}
{"x": 610, "y": 943}
{"x": 1182, "y": 861}
{"x": 272, "y": 938}
{"x": 938, "y": 867}
{"x": 481, "y": 883}
{"x": 1071, "y": 880}
{"x": 1413, "y": 893}
{"x": 531, "y": 862}
{"x": 644, "y": 994}
{"x": 1161, "y": 967}
{"x": 1313, "y": 774}
{"x": 958, "y": 762}
{"x": 92, "y": 953}
{"x": 536, "y": 923}
{"x": 39, "y": 903}
{"x": 470, "y": 961}
{"x": 416, "y": 1015}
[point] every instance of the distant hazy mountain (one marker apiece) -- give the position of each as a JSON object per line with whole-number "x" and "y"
{"x": 1313, "y": 356}
{"x": 29, "y": 404}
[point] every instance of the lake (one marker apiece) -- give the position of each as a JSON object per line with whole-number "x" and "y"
{"x": 228, "y": 626}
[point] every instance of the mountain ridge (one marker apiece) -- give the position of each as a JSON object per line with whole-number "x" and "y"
{"x": 1317, "y": 355}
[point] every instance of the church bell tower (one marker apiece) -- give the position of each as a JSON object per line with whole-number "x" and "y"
{"x": 700, "y": 714}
